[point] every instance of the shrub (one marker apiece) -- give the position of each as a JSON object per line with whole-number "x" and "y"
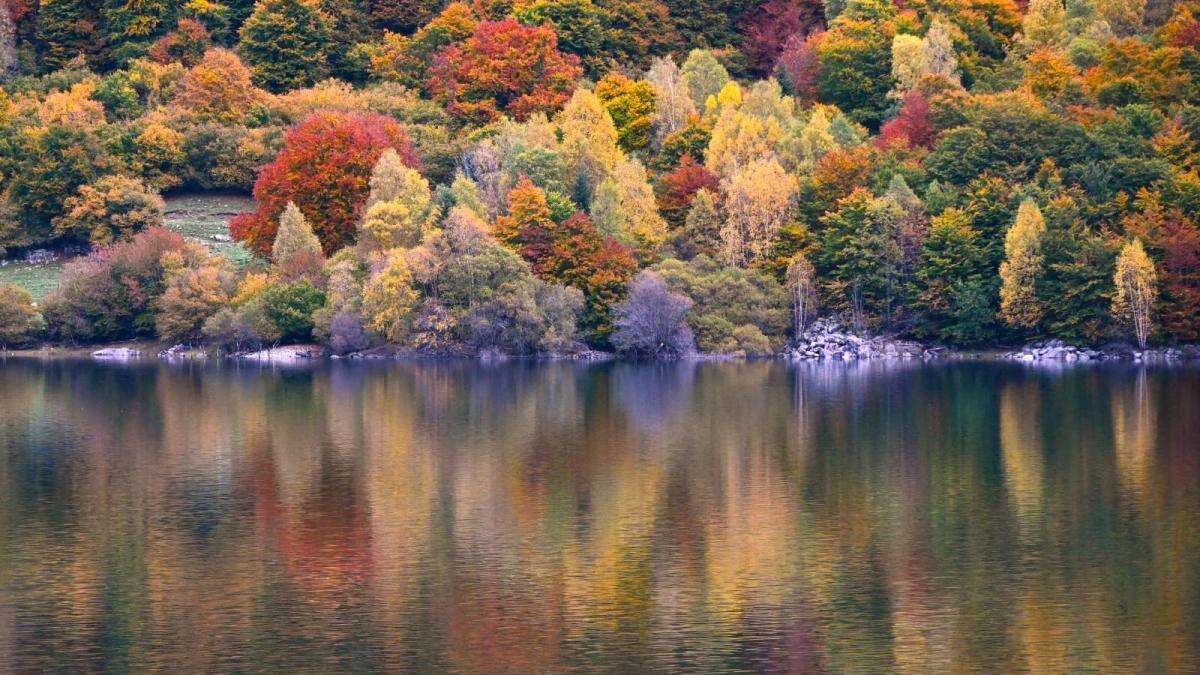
{"x": 651, "y": 322}
{"x": 289, "y": 309}
{"x": 20, "y": 322}
{"x": 113, "y": 208}
{"x": 112, "y": 293}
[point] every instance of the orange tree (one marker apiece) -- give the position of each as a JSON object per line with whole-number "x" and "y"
{"x": 324, "y": 168}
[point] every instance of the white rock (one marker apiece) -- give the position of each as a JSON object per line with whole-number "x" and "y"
{"x": 116, "y": 354}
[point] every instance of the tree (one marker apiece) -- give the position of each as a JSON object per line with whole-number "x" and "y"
{"x": 187, "y": 44}
{"x": 389, "y": 299}
{"x": 404, "y": 16}
{"x": 676, "y": 189}
{"x": 286, "y": 43}
{"x": 673, "y": 105}
{"x": 1137, "y": 290}
{"x": 759, "y": 201}
{"x": 67, "y": 29}
{"x": 912, "y": 124}
{"x": 1045, "y": 24}
{"x": 801, "y": 283}
{"x": 504, "y": 67}
{"x": 324, "y": 168}
{"x": 650, "y": 323}
{"x": 768, "y": 29}
{"x": 193, "y": 294}
{"x": 631, "y": 106}
{"x": 736, "y": 310}
{"x": 799, "y": 65}
{"x": 1022, "y": 269}
{"x": 20, "y": 322}
{"x": 703, "y": 76}
{"x": 579, "y": 24}
{"x": 400, "y": 205}
{"x": 219, "y": 89}
{"x": 624, "y": 208}
{"x": 53, "y": 164}
{"x": 857, "y": 258}
{"x": 289, "y": 309}
{"x": 130, "y": 26}
{"x": 589, "y": 143}
{"x": 296, "y": 250}
{"x": 952, "y": 276}
{"x": 114, "y": 207}
{"x": 856, "y": 60}
{"x": 701, "y": 233}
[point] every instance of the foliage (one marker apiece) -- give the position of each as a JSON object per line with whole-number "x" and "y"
{"x": 324, "y": 169}
{"x": 20, "y": 322}
{"x": 286, "y": 43}
{"x": 651, "y": 321}
{"x": 113, "y": 208}
{"x": 504, "y": 67}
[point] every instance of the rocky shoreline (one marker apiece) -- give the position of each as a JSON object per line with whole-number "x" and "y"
{"x": 824, "y": 341}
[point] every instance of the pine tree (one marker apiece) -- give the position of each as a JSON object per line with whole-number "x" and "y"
{"x": 286, "y": 43}
{"x": 68, "y": 29}
{"x": 1022, "y": 269}
{"x": 1137, "y": 290}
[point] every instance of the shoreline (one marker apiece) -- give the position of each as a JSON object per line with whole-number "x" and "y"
{"x": 1034, "y": 354}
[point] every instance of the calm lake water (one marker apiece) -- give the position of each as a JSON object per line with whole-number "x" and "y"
{"x": 540, "y": 518}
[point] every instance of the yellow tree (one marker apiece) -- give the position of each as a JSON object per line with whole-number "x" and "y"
{"x": 760, "y": 200}
{"x": 589, "y": 141}
{"x": 390, "y": 298}
{"x": 1022, "y": 269}
{"x": 801, "y": 279}
{"x": 1137, "y": 289}
{"x": 400, "y": 205}
{"x": 625, "y": 207}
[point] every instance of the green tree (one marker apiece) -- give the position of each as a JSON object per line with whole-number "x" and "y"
{"x": 286, "y": 43}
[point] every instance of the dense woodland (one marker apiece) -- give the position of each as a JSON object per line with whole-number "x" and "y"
{"x": 649, "y": 176}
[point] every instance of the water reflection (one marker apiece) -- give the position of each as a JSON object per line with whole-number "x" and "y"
{"x": 533, "y": 518}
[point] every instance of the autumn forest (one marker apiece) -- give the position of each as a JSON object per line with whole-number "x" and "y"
{"x": 647, "y": 177}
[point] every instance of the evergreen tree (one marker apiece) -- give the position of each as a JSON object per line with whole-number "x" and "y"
{"x": 68, "y": 29}
{"x": 286, "y": 43}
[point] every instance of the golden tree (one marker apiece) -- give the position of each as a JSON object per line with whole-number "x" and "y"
{"x": 1137, "y": 289}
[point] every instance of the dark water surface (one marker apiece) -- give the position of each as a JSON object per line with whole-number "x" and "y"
{"x": 540, "y": 518}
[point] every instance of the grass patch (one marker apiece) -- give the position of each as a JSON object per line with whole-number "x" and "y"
{"x": 200, "y": 217}
{"x": 39, "y": 280}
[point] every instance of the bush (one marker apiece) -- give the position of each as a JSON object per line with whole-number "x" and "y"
{"x": 20, "y": 322}
{"x": 737, "y": 297}
{"x": 113, "y": 208}
{"x": 192, "y": 296}
{"x": 112, "y": 293}
{"x": 289, "y": 309}
{"x": 651, "y": 321}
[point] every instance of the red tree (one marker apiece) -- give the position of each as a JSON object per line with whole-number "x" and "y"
{"x": 912, "y": 123}
{"x": 799, "y": 66}
{"x": 677, "y": 188}
{"x": 504, "y": 67}
{"x": 324, "y": 168}
{"x": 773, "y": 24}
{"x": 1180, "y": 278}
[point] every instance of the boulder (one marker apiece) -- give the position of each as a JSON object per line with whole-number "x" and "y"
{"x": 116, "y": 354}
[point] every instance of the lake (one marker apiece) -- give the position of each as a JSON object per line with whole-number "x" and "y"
{"x": 614, "y": 517}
